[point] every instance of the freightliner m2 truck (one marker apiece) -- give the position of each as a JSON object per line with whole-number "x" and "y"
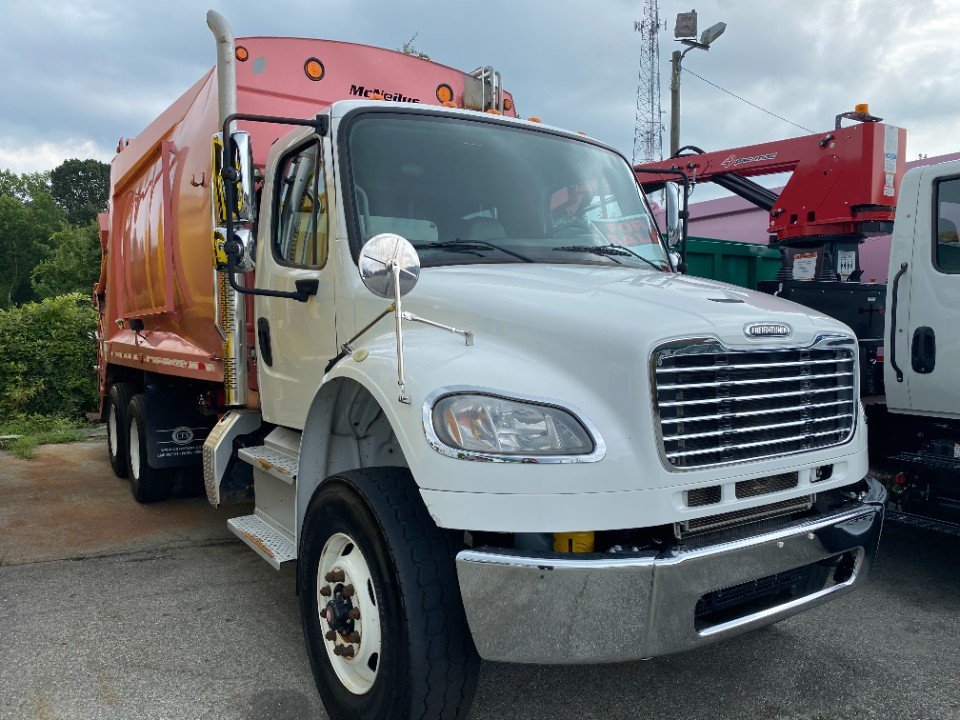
{"x": 448, "y": 355}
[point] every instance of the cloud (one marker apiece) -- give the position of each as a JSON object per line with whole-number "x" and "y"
{"x": 47, "y": 155}
{"x": 95, "y": 70}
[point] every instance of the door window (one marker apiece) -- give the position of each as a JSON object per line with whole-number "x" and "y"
{"x": 301, "y": 232}
{"x": 946, "y": 254}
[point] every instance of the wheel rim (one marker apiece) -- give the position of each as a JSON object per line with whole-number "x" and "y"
{"x": 349, "y": 617}
{"x": 112, "y": 430}
{"x": 134, "y": 447}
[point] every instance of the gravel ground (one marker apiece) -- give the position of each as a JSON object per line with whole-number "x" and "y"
{"x": 113, "y": 610}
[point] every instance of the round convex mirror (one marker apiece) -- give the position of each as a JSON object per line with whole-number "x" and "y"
{"x": 378, "y": 257}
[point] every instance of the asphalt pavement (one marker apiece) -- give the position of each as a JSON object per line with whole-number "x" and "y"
{"x": 113, "y": 610}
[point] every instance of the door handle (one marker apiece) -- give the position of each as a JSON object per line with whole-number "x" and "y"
{"x": 263, "y": 340}
{"x": 923, "y": 352}
{"x": 893, "y": 321}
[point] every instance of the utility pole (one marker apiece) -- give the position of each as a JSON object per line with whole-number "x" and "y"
{"x": 675, "y": 60}
{"x": 685, "y": 29}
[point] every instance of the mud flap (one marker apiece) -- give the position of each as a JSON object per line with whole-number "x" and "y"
{"x": 176, "y": 428}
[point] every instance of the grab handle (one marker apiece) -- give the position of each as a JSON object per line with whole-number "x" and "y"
{"x": 893, "y": 322}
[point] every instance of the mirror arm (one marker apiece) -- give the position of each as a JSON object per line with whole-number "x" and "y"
{"x": 398, "y": 319}
{"x": 467, "y": 334}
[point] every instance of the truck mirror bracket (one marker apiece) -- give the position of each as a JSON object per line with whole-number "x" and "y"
{"x": 229, "y": 172}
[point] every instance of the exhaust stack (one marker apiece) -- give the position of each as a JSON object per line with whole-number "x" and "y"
{"x": 231, "y": 316}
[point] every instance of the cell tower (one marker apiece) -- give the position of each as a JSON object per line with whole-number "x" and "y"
{"x": 648, "y": 127}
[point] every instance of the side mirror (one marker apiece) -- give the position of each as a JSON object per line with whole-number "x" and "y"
{"x": 242, "y": 149}
{"x": 672, "y": 191}
{"x": 389, "y": 266}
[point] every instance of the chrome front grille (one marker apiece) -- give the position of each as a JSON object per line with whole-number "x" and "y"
{"x": 718, "y": 406}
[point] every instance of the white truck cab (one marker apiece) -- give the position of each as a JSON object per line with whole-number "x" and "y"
{"x": 550, "y": 446}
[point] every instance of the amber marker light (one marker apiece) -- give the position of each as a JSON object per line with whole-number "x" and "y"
{"x": 314, "y": 69}
{"x": 507, "y": 104}
{"x": 241, "y": 53}
{"x": 444, "y": 93}
{"x": 534, "y": 119}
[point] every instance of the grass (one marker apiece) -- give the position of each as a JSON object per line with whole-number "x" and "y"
{"x": 36, "y": 430}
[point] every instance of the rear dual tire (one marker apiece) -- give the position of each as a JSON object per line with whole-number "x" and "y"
{"x": 147, "y": 484}
{"x": 118, "y": 399}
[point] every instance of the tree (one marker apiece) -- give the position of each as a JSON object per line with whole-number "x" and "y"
{"x": 72, "y": 263}
{"x": 408, "y": 48}
{"x": 28, "y": 217}
{"x": 81, "y": 188}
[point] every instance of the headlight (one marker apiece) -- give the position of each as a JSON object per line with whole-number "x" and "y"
{"x": 487, "y": 424}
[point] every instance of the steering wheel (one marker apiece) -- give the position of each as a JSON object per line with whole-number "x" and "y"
{"x": 572, "y": 229}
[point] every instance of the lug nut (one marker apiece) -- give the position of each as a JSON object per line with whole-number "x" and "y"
{"x": 343, "y": 651}
{"x": 326, "y": 591}
{"x": 354, "y": 637}
{"x": 334, "y": 576}
{"x": 354, "y": 613}
{"x": 331, "y": 635}
{"x": 347, "y": 591}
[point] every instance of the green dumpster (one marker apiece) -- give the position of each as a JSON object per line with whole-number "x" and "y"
{"x": 738, "y": 263}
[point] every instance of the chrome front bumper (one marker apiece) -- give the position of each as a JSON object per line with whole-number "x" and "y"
{"x": 569, "y": 609}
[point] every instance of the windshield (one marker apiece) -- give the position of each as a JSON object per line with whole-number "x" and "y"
{"x": 466, "y": 191}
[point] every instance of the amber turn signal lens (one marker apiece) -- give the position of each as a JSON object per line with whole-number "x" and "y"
{"x": 314, "y": 69}
{"x": 444, "y": 93}
{"x": 241, "y": 53}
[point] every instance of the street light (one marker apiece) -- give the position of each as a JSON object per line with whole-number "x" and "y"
{"x": 707, "y": 37}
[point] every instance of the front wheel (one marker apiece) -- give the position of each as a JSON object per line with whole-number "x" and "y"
{"x": 380, "y": 603}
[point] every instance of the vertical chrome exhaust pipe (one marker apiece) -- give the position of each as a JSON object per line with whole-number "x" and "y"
{"x": 231, "y": 315}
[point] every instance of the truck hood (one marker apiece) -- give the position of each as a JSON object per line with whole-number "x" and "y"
{"x": 566, "y": 304}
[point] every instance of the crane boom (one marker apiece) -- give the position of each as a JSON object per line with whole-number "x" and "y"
{"x": 844, "y": 182}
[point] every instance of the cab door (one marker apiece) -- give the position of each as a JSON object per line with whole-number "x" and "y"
{"x": 294, "y": 340}
{"x": 931, "y": 356}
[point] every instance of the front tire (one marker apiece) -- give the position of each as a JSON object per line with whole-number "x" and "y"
{"x": 118, "y": 398}
{"x": 148, "y": 484}
{"x": 393, "y": 641}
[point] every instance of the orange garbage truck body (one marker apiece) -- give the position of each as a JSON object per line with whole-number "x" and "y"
{"x": 156, "y": 292}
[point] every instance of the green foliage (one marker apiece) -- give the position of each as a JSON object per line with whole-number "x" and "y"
{"x": 34, "y": 430}
{"x": 81, "y": 189}
{"x": 28, "y": 217}
{"x": 47, "y": 358}
{"x": 408, "y": 48}
{"x": 73, "y": 262}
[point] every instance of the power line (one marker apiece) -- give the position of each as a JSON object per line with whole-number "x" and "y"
{"x": 723, "y": 89}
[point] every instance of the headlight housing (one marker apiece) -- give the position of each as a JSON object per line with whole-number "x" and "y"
{"x": 475, "y": 424}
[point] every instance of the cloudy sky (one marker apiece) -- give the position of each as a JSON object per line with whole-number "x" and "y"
{"x": 78, "y": 74}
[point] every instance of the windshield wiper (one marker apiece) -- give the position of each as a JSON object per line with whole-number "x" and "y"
{"x": 469, "y": 246}
{"x": 609, "y": 251}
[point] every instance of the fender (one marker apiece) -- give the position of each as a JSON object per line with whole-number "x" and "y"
{"x": 375, "y": 375}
